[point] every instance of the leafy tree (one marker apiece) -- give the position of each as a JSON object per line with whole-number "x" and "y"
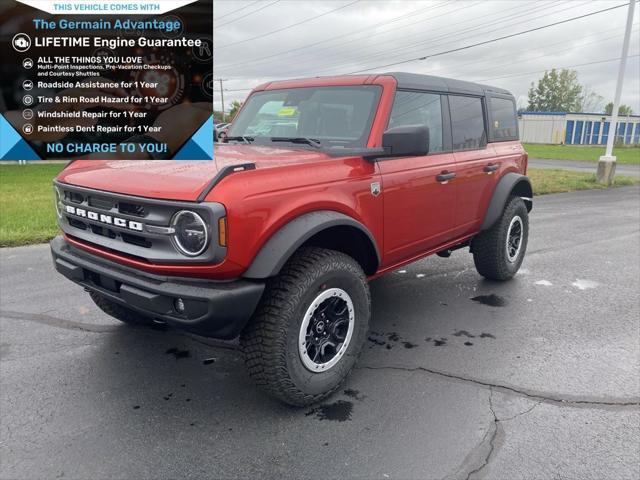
{"x": 235, "y": 106}
{"x": 622, "y": 109}
{"x": 557, "y": 91}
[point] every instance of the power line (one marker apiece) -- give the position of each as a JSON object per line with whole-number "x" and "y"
{"x": 563, "y": 42}
{"x": 566, "y": 66}
{"x": 447, "y": 35}
{"x": 546, "y": 46}
{"x": 236, "y": 10}
{"x": 248, "y": 14}
{"x": 528, "y": 59}
{"x": 287, "y": 27}
{"x": 368, "y": 28}
{"x": 493, "y": 40}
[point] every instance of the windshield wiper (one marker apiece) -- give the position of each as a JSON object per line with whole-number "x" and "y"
{"x": 241, "y": 138}
{"x": 308, "y": 141}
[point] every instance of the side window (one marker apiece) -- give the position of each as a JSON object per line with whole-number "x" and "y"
{"x": 467, "y": 122}
{"x": 418, "y": 108}
{"x": 503, "y": 119}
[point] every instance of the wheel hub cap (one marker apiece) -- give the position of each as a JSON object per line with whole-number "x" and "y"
{"x": 326, "y": 330}
{"x": 514, "y": 238}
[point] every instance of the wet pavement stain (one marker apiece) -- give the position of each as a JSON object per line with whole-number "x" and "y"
{"x": 355, "y": 394}
{"x": 339, "y": 411}
{"x": 176, "y": 352}
{"x": 468, "y": 344}
{"x": 393, "y": 336}
{"x": 136, "y": 407}
{"x": 409, "y": 345}
{"x": 208, "y": 361}
{"x": 492, "y": 300}
{"x": 376, "y": 341}
{"x": 440, "y": 343}
{"x": 460, "y": 333}
{"x": 486, "y": 335}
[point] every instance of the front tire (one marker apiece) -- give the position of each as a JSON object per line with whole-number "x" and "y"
{"x": 499, "y": 251}
{"x": 309, "y": 327}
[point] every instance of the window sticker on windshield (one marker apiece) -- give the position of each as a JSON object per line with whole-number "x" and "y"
{"x": 287, "y": 111}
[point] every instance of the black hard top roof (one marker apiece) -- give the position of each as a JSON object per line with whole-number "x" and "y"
{"x": 415, "y": 81}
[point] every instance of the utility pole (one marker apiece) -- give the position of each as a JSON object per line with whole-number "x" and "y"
{"x": 222, "y": 96}
{"x": 607, "y": 163}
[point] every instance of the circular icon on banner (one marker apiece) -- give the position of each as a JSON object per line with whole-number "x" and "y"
{"x": 27, "y": 128}
{"x": 27, "y": 100}
{"x": 27, "y": 85}
{"x": 27, "y": 63}
{"x": 207, "y": 85}
{"x": 21, "y": 42}
{"x": 204, "y": 52}
{"x": 27, "y": 114}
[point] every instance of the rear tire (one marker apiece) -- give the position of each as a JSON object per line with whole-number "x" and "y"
{"x": 499, "y": 251}
{"x": 119, "y": 312}
{"x": 318, "y": 306}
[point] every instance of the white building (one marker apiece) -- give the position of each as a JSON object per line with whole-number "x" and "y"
{"x": 576, "y": 128}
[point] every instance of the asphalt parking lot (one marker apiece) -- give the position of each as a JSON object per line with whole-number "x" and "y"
{"x": 461, "y": 378}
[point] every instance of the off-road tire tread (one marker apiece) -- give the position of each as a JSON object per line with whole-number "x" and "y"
{"x": 487, "y": 246}
{"x": 264, "y": 341}
{"x": 119, "y": 312}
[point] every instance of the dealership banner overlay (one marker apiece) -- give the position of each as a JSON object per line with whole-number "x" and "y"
{"x": 106, "y": 79}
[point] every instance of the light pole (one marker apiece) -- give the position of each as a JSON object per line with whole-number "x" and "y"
{"x": 607, "y": 163}
{"x": 222, "y": 96}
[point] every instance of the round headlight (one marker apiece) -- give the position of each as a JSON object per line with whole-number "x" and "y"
{"x": 191, "y": 235}
{"x": 58, "y": 200}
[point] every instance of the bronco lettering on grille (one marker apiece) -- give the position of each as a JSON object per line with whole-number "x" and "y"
{"x": 106, "y": 219}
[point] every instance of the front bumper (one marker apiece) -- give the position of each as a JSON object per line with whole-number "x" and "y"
{"x": 213, "y": 309}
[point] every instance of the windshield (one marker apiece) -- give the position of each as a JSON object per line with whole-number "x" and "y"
{"x": 332, "y": 116}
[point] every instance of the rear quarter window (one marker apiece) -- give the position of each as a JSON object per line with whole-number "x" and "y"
{"x": 504, "y": 124}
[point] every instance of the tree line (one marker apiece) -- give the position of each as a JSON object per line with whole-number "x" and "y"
{"x": 561, "y": 91}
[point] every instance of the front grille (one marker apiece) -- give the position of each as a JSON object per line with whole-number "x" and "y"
{"x": 74, "y": 197}
{"x": 136, "y": 240}
{"x": 120, "y": 223}
{"x": 101, "y": 202}
{"x": 131, "y": 209}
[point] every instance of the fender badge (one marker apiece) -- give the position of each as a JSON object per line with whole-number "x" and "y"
{"x": 375, "y": 189}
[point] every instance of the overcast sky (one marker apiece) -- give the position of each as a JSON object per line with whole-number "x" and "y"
{"x": 258, "y": 41}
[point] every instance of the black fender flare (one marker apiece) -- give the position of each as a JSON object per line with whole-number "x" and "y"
{"x": 282, "y": 244}
{"x": 509, "y": 183}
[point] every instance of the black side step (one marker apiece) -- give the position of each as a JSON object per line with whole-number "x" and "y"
{"x": 228, "y": 170}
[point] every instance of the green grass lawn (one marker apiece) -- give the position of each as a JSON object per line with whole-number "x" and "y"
{"x": 556, "y": 181}
{"x": 627, "y": 155}
{"x": 27, "y": 212}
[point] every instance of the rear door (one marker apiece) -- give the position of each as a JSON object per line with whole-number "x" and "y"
{"x": 475, "y": 161}
{"x": 419, "y": 201}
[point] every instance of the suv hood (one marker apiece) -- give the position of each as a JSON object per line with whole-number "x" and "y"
{"x": 174, "y": 179}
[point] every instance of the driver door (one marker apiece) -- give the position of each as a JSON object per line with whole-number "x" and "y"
{"x": 419, "y": 198}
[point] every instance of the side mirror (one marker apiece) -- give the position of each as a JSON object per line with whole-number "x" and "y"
{"x": 406, "y": 141}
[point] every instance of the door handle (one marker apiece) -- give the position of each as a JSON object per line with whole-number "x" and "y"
{"x": 445, "y": 176}
{"x": 492, "y": 167}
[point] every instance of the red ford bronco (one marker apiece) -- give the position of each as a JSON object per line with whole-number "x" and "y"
{"x": 321, "y": 185}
